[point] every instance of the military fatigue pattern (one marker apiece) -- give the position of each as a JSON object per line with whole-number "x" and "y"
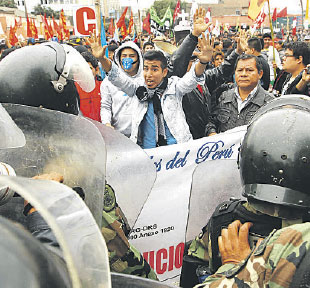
{"x": 123, "y": 257}
{"x": 272, "y": 264}
{"x": 201, "y": 246}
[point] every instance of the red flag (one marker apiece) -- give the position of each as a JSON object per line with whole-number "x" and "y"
{"x": 29, "y": 30}
{"x": 34, "y": 30}
{"x": 111, "y": 28}
{"x": 63, "y": 24}
{"x": 177, "y": 10}
{"x": 46, "y": 30}
{"x": 12, "y": 37}
{"x": 130, "y": 25}
{"x": 121, "y": 20}
{"x": 260, "y": 19}
{"x": 282, "y": 13}
{"x": 294, "y": 26}
{"x": 146, "y": 24}
{"x": 274, "y": 15}
{"x": 56, "y": 27}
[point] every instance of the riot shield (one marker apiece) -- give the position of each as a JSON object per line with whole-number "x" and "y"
{"x": 77, "y": 233}
{"x": 129, "y": 171}
{"x": 213, "y": 182}
{"x": 63, "y": 143}
{"x": 11, "y": 135}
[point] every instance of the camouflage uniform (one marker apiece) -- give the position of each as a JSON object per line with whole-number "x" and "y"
{"x": 123, "y": 257}
{"x": 201, "y": 246}
{"x": 272, "y": 264}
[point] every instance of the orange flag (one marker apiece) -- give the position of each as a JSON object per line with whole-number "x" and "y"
{"x": 255, "y": 7}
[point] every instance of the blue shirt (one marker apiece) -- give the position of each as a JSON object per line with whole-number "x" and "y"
{"x": 147, "y": 129}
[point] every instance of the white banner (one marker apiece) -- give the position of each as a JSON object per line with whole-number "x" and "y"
{"x": 160, "y": 230}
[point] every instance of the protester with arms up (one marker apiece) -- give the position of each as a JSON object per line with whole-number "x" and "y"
{"x": 158, "y": 117}
{"x": 116, "y": 105}
{"x": 197, "y": 104}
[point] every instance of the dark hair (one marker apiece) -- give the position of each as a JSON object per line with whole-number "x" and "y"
{"x": 90, "y": 58}
{"x": 300, "y": 48}
{"x": 112, "y": 47}
{"x": 255, "y": 43}
{"x": 216, "y": 53}
{"x": 248, "y": 56}
{"x": 156, "y": 55}
{"x": 216, "y": 43}
{"x": 148, "y": 43}
{"x": 267, "y": 35}
{"x": 119, "y": 53}
{"x": 227, "y": 43}
{"x": 81, "y": 48}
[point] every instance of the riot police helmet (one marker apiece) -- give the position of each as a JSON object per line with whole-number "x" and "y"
{"x": 44, "y": 76}
{"x": 274, "y": 157}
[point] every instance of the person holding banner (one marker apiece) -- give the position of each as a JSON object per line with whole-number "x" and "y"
{"x": 158, "y": 118}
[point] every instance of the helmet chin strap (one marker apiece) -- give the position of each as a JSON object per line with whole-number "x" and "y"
{"x": 59, "y": 85}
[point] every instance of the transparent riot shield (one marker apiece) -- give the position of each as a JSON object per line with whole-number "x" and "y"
{"x": 129, "y": 171}
{"x": 63, "y": 143}
{"x": 11, "y": 135}
{"x": 213, "y": 182}
{"x": 77, "y": 233}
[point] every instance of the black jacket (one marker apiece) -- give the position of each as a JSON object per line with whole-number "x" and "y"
{"x": 227, "y": 116}
{"x": 197, "y": 105}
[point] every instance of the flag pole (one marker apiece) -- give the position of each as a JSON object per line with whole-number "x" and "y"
{"x": 272, "y": 38}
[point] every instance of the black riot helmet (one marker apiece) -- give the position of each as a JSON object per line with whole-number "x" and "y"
{"x": 274, "y": 157}
{"x": 45, "y": 75}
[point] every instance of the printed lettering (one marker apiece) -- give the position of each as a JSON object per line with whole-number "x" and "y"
{"x": 165, "y": 259}
{"x": 177, "y": 162}
{"x": 161, "y": 254}
{"x": 212, "y": 150}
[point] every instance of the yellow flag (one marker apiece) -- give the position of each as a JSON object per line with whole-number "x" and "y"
{"x": 255, "y": 7}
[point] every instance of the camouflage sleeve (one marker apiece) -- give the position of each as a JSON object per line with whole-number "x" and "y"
{"x": 200, "y": 247}
{"x": 123, "y": 257}
{"x": 272, "y": 264}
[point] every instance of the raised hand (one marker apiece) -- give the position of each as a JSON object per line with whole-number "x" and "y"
{"x": 242, "y": 42}
{"x": 206, "y": 48}
{"x": 99, "y": 51}
{"x": 199, "y": 24}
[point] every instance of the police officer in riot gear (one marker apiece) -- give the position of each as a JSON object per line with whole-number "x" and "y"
{"x": 273, "y": 166}
{"x": 43, "y": 76}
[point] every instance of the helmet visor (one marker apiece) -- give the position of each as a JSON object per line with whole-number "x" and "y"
{"x": 78, "y": 68}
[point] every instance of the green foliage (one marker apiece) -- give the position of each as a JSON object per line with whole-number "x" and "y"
{"x": 162, "y": 5}
{"x": 8, "y": 3}
{"x": 40, "y": 10}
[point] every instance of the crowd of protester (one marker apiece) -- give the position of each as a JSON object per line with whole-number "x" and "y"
{"x": 208, "y": 85}
{"x": 229, "y": 95}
